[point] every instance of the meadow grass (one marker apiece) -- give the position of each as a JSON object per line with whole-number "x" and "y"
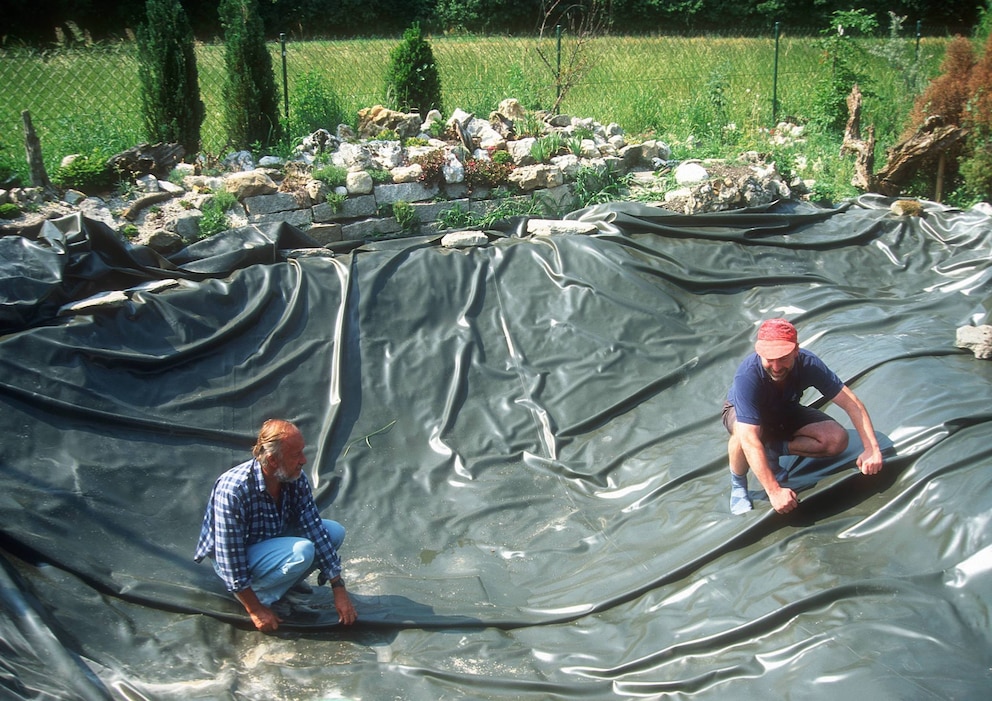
{"x": 83, "y": 100}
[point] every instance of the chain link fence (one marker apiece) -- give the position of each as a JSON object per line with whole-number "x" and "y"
{"x": 89, "y": 98}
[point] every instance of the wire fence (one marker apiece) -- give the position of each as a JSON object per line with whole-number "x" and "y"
{"x": 83, "y": 99}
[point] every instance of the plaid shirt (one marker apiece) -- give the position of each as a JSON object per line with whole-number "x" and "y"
{"x": 241, "y": 513}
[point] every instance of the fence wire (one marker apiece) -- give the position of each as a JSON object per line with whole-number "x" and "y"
{"x": 85, "y": 99}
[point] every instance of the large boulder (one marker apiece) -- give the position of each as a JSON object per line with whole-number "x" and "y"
{"x": 372, "y": 121}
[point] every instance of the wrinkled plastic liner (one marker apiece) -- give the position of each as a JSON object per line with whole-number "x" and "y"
{"x": 524, "y": 443}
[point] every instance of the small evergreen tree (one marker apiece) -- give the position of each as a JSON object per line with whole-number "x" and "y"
{"x": 412, "y": 80}
{"x": 251, "y": 102}
{"x": 172, "y": 110}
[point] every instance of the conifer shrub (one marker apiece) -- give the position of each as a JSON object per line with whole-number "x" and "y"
{"x": 251, "y": 102}
{"x": 172, "y": 110}
{"x": 412, "y": 80}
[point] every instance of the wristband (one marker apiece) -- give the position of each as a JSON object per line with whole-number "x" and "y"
{"x": 339, "y": 582}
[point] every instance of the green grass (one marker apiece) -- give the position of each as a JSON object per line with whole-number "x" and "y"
{"x": 668, "y": 87}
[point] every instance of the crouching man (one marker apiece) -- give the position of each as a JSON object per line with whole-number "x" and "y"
{"x": 264, "y": 533}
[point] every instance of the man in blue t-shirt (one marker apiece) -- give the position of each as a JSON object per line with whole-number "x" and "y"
{"x": 765, "y": 419}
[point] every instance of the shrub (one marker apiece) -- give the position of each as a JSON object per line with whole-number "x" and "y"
{"x": 313, "y": 105}
{"x": 380, "y": 176}
{"x": 333, "y": 175}
{"x": 412, "y": 80}
{"x": 86, "y": 172}
{"x": 251, "y": 105}
{"x": 846, "y": 61}
{"x": 976, "y": 171}
{"x": 437, "y": 129}
{"x": 172, "y": 110}
{"x": 501, "y": 157}
{"x": 947, "y": 94}
{"x": 9, "y": 210}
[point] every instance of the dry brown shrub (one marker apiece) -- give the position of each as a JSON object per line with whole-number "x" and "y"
{"x": 980, "y": 91}
{"x": 947, "y": 95}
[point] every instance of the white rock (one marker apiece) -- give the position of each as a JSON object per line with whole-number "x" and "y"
{"x": 464, "y": 239}
{"x": 146, "y": 183}
{"x": 407, "y": 174}
{"x": 359, "y": 183}
{"x": 977, "y": 339}
{"x": 558, "y": 226}
{"x": 689, "y": 173}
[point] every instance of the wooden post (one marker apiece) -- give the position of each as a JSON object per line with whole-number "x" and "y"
{"x": 39, "y": 176}
{"x": 940, "y": 175}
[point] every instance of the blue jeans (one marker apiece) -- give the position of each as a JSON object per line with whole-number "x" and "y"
{"x": 279, "y": 563}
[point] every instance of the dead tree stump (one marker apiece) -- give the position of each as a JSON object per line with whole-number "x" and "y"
{"x": 32, "y": 145}
{"x": 931, "y": 141}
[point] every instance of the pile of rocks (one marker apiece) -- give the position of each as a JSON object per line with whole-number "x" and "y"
{"x": 165, "y": 213}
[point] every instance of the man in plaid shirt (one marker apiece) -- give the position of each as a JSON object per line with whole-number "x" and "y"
{"x": 264, "y": 533}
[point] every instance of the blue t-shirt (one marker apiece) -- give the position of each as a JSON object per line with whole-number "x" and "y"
{"x": 758, "y": 401}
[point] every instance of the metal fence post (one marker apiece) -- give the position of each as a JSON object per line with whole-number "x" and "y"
{"x": 285, "y": 81}
{"x": 775, "y": 81}
{"x": 558, "y": 69}
{"x": 919, "y": 24}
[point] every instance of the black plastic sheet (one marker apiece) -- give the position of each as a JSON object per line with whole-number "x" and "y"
{"x": 524, "y": 443}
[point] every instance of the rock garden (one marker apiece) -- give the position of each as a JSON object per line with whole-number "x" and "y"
{"x": 400, "y": 174}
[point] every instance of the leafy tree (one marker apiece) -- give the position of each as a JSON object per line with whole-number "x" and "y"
{"x": 251, "y": 106}
{"x": 412, "y": 80}
{"x": 487, "y": 15}
{"x": 170, "y": 95}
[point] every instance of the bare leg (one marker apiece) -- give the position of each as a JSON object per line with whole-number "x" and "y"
{"x": 735, "y": 454}
{"x": 740, "y": 498}
{"x": 823, "y": 439}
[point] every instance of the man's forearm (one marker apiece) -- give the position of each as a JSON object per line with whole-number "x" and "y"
{"x": 249, "y": 599}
